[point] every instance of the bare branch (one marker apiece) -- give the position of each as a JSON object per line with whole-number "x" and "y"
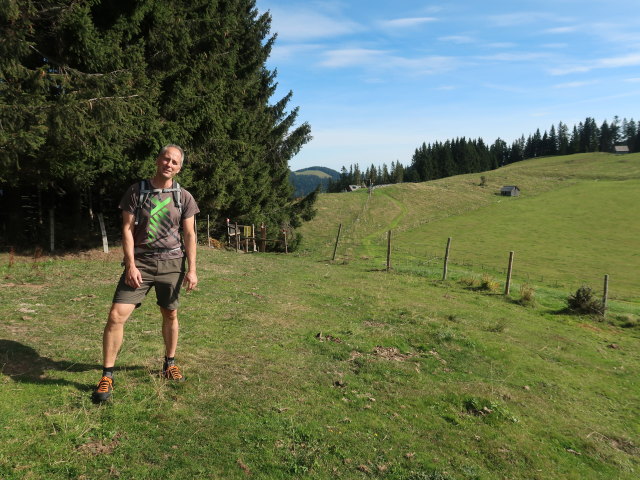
{"x": 108, "y": 98}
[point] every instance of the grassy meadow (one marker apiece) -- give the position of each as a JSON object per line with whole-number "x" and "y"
{"x": 300, "y": 367}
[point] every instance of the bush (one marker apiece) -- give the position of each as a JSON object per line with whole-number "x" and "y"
{"x": 470, "y": 281}
{"x": 527, "y": 295}
{"x": 489, "y": 284}
{"x": 585, "y": 301}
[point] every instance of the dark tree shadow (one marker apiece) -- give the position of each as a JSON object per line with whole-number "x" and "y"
{"x": 23, "y": 364}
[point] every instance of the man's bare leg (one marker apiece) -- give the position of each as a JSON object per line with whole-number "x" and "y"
{"x": 170, "y": 331}
{"x": 114, "y": 332}
{"x": 111, "y": 343}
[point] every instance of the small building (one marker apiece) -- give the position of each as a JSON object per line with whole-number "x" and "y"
{"x": 621, "y": 149}
{"x": 510, "y": 191}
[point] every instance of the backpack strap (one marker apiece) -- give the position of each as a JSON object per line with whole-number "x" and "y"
{"x": 147, "y": 190}
{"x": 142, "y": 199}
{"x": 176, "y": 197}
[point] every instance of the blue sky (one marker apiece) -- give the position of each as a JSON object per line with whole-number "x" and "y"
{"x": 375, "y": 79}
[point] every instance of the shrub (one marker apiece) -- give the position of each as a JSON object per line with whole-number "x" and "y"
{"x": 585, "y": 301}
{"x": 527, "y": 294}
{"x": 470, "y": 281}
{"x": 488, "y": 283}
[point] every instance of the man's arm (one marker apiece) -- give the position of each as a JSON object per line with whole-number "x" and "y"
{"x": 133, "y": 277}
{"x": 188, "y": 229}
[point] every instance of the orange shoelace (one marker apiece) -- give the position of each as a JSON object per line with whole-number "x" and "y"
{"x": 104, "y": 385}
{"x": 173, "y": 372}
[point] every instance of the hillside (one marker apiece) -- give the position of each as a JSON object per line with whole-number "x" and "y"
{"x": 299, "y": 367}
{"x": 306, "y": 180}
{"x": 572, "y": 223}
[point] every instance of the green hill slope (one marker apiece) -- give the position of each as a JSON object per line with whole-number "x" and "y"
{"x": 573, "y": 223}
{"x": 298, "y": 368}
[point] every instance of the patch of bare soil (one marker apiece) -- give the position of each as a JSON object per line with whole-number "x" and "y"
{"x": 391, "y": 353}
{"x": 586, "y": 326}
{"x": 31, "y": 286}
{"x": 622, "y": 444}
{"x": 100, "y": 447}
{"x": 368, "y": 323}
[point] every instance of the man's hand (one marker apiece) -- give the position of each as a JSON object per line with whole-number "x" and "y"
{"x": 133, "y": 277}
{"x": 190, "y": 281}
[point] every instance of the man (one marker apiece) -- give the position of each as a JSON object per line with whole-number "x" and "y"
{"x": 152, "y": 213}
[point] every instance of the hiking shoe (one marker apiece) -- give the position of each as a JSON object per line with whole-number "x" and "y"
{"x": 103, "y": 390}
{"x": 172, "y": 372}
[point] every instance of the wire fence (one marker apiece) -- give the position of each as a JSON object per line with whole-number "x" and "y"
{"x": 381, "y": 251}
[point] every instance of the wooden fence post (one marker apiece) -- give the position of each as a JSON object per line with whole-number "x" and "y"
{"x": 605, "y": 295}
{"x": 103, "y": 230}
{"x": 389, "y": 250}
{"x": 507, "y": 286}
{"x": 237, "y": 238}
{"x": 263, "y": 241}
{"x": 208, "y": 232}
{"x": 446, "y": 259}
{"x": 335, "y": 247}
{"x": 286, "y": 246}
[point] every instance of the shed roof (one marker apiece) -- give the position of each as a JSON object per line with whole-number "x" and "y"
{"x": 621, "y": 149}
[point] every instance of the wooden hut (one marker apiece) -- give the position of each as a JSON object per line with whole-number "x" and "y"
{"x": 509, "y": 191}
{"x": 621, "y": 149}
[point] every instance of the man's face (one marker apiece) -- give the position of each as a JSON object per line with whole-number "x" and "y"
{"x": 169, "y": 163}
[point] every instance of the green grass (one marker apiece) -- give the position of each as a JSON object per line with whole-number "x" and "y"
{"x": 298, "y": 367}
{"x": 573, "y": 224}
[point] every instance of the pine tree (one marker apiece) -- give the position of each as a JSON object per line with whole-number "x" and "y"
{"x": 629, "y": 133}
{"x": 563, "y": 139}
{"x": 552, "y": 145}
{"x": 91, "y": 90}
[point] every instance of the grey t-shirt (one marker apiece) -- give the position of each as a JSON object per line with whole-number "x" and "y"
{"x": 160, "y": 220}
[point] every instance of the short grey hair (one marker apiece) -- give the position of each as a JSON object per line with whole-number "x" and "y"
{"x": 164, "y": 149}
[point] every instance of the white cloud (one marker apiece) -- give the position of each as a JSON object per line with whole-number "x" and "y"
{"x": 514, "y": 57}
{"x": 385, "y": 60}
{"x": 630, "y": 60}
{"x": 283, "y": 53}
{"x": 521, "y": 18}
{"x": 615, "y": 62}
{"x": 459, "y": 39}
{"x": 555, "y": 46}
{"x": 350, "y": 57}
{"x": 407, "y": 22}
{"x": 301, "y": 25}
{"x": 501, "y": 45}
{"x": 562, "y": 29}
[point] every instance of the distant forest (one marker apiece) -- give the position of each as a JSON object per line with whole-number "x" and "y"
{"x": 459, "y": 156}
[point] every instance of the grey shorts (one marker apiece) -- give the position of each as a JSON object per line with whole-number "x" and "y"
{"x": 165, "y": 276}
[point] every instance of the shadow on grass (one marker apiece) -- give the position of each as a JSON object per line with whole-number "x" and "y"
{"x": 23, "y": 364}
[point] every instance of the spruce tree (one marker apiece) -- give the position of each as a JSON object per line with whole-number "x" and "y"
{"x": 89, "y": 91}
